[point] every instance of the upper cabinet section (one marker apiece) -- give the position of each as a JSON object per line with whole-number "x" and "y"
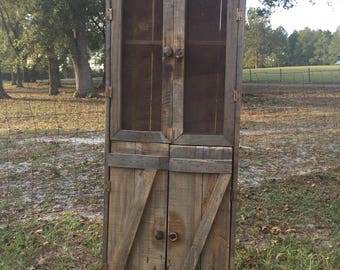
{"x": 173, "y": 71}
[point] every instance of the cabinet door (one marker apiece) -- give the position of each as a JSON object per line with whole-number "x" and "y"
{"x": 200, "y": 167}
{"x": 137, "y": 152}
{"x": 204, "y": 76}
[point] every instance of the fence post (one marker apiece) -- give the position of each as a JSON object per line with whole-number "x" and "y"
{"x": 280, "y": 74}
{"x": 250, "y": 75}
{"x": 309, "y": 80}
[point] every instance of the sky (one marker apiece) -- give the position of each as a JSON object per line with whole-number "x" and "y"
{"x": 304, "y": 14}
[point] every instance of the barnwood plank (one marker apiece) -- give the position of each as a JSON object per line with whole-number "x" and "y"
{"x": 230, "y": 73}
{"x": 144, "y": 182}
{"x": 107, "y": 131}
{"x": 140, "y": 136}
{"x": 137, "y": 161}
{"x": 234, "y": 186}
{"x": 206, "y": 222}
{"x": 215, "y": 254}
{"x": 116, "y": 60}
{"x": 182, "y": 151}
{"x": 178, "y": 76}
{"x": 168, "y": 66}
{"x": 200, "y": 165}
{"x": 209, "y": 140}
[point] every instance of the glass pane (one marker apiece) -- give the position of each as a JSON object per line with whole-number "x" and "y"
{"x": 205, "y": 66}
{"x": 142, "y": 64}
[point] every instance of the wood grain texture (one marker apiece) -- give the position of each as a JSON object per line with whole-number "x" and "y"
{"x": 140, "y": 136}
{"x": 206, "y": 223}
{"x": 200, "y": 165}
{"x": 144, "y": 181}
{"x": 215, "y": 254}
{"x": 234, "y": 187}
{"x": 107, "y": 130}
{"x": 137, "y": 161}
{"x": 178, "y": 76}
{"x": 211, "y": 140}
{"x": 168, "y": 68}
{"x": 128, "y": 188}
{"x": 116, "y": 64}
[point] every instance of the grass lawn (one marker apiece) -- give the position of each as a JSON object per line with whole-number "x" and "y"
{"x": 51, "y": 184}
{"x": 303, "y": 74}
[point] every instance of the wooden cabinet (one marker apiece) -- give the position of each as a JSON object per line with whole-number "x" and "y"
{"x": 173, "y": 76}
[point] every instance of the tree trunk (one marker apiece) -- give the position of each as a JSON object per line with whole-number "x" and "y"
{"x": 80, "y": 59}
{"x": 53, "y": 75}
{"x": 13, "y": 78}
{"x": 3, "y": 94}
{"x": 19, "y": 77}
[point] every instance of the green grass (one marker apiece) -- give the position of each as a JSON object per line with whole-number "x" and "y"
{"x": 301, "y": 74}
{"x": 288, "y": 220}
{"x": 68, "y": 242}
{"x": 291, "y": 225}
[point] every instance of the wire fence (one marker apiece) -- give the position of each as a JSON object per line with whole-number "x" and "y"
{"x": 51, "y": 147}
{"x": 291, "y": 75}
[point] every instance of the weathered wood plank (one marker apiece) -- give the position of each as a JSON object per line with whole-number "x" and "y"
{"x": 180, "y": 151}
{"x": 234, "y": 187}
{"x": 116, "y": 60}
{"x": 210, "y": 140}
{"x": 200, "y": 165}
{"x": 215, "y": 254}
{"x": 206, "y": 222}
{"x": 178, "y": 76}
{"x": 140, "y": 136}
{"x": 168, "y": 67}
{"x": 144, "y": 182}
{"x": 135, "y": 161}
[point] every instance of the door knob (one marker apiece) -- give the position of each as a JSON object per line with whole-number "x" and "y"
{"x": 167, "y": 51}
{"x": 173, "y": 236}
{"x": 179, "y": 53}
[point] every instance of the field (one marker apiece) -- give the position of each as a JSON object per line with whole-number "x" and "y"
{"x": 51, "y": 167}
{"x": 303, "y": 75}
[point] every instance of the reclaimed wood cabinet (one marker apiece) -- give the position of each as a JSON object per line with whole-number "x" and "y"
{"x": 173, "y": 74}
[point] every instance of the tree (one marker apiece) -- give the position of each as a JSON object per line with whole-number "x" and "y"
{"x": 77, "y": 18}
{"x": 45, "y": 39}
{"x": 334, "y": 47}
{"x": 278, "y": 47}
{"x": 257, "y": 29}
{"x": 3, "y": 94}
{"x": 11, "y": 14}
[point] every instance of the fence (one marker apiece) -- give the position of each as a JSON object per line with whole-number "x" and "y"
{"x": 329, "y": 75}
{"x": 51, "y": 163}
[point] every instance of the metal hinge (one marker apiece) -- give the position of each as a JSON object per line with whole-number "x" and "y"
{"x": 237, "y": 96}
{"x": 105, "y": 266}
{"x": 239, "y": 15}
{"x": 108, "y": 92}
{"x": 109, "y": 14}
{"x": 107, "y": 186}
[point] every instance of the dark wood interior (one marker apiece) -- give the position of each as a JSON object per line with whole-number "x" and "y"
{"x": 205, "y": 52}
{"x": 142, "y": 65}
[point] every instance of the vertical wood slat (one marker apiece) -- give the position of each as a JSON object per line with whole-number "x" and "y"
{"x": 168, "y": 64}
{"x": 206, "y": 222}
{"x": 178, "y": 77}
{"x": 121, "y": 253}
{"x": 116, "y": 65}
{"x": 229, "y": 106}
{"x": 107, "y": 131}
{"x": 234, "y": 183}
